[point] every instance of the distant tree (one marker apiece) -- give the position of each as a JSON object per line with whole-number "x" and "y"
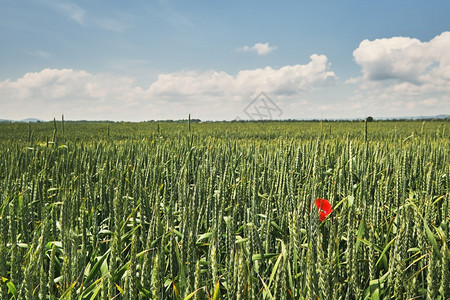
{"x": 369, "y": 119}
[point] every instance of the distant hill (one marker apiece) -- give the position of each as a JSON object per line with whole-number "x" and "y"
{"x": 437, "y": 117}
{"x": 430, "y": 117}
{"x": 442, "y": 117}
{"x": 31, "y": 120}
{"x": 28, "y": 120}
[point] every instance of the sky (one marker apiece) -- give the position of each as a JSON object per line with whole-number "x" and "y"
{"x": 223, "y": 60}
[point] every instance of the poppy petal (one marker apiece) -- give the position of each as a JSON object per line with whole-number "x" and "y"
{"x": 320, "y": 202}
{"x": 322, "y": 216}
{"x": 324, "y": 208}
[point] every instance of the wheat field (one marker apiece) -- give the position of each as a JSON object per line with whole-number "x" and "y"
{"x": 224, "y": 210}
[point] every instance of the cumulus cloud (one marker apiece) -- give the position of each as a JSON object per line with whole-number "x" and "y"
{"x": 64, "y": 85}
{"x": 209, "y": 95}
{"x": 260, "y": 48}
{"x": 54, "y": 91}
{"x": 403, "y": 74}
{"x": 287, "y": 80}
{"x": 405, "y": 59}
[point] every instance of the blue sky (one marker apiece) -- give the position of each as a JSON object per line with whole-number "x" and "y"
{"x": 141, "y": 60}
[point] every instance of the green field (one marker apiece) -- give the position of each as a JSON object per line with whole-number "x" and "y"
{"x": 224, "y": 210}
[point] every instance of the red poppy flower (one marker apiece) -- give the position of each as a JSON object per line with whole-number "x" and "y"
{"x": 324, "y": 208}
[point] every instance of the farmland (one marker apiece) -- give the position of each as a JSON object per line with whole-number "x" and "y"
{"x": 224, "y": 210}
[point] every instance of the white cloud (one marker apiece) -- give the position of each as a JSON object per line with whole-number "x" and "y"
{"x": 50, "y": 92}
{"x": 430, "y": 102}
{"x": 169, "y": 13}
{"x": 405, "y": 59}
{"x": 403, "y": 75}
{"x": 288, "y": 80}
{"x": 260, "y": 48}
{"x": 39, "y": 53}
{"x": 208, "y": 95}
{"x": 113, "y": 25}
{"x": 74, "y": 11}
